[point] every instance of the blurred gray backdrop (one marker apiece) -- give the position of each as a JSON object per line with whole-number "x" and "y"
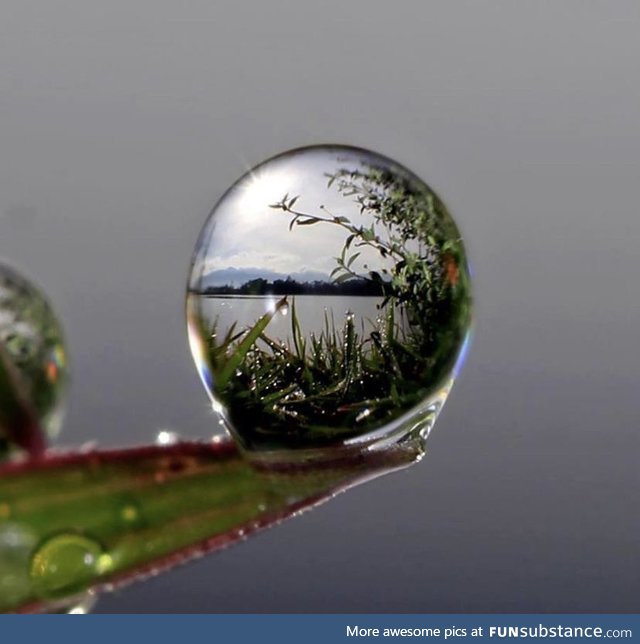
{"x": 122, "y": 122}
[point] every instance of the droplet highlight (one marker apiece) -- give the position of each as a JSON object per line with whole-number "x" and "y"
{"x": 82, "y": 605}
{"x": 167, "y": 437}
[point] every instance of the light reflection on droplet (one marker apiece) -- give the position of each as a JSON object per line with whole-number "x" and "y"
{"x": 104, "y": 564}
{"x": 83, "y": 606}
{"x": 167, "y": 437}
{"x": 362, "y": 415}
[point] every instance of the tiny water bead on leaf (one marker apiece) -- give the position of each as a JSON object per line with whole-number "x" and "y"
{"x": 33, "y": 365}
{"x": 328, "y": 302}
{"x": 67, "y": 562}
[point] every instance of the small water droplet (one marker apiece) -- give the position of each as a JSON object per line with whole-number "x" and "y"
{"x": 341, "y": 312}
{"x": 66, "y": 563}
{"x": 33, "y": 363}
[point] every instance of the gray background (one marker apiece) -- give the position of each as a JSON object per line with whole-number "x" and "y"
{"x": 122, "y": 122}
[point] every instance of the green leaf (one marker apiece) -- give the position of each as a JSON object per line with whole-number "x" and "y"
{"x": 296, "y": 331}
{"x": 342, "y": 278}
{"x": 232, "y": 363}
{"x": 367, "y": 234}
{"x": 148, "y": 508}
{"x": 352, "y": 259}
{"x": 308, "y": 221}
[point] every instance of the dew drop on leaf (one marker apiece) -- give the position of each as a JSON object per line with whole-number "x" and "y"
{"x": 33, "y": 363}
{"x": 65, "y": 563}
{"x": 328, "y": 302}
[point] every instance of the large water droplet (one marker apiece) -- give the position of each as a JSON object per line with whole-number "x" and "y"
{"x": 329, "y": 301}
{"x": 33, "y": 364}
{"x": 65, "y": 563}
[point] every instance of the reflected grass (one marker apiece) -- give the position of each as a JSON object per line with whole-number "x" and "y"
{"x": 315, "y": 389}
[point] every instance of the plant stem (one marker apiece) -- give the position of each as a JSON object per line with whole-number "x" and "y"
{"x": 144, "y": 510}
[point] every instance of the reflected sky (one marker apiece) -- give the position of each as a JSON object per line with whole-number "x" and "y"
{"x": 248, "y": 235}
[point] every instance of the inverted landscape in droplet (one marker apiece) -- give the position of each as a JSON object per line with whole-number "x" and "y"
{"x": 328, "y": 301}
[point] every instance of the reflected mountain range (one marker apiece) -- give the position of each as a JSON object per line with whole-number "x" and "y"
{"x": 234, "y": 277}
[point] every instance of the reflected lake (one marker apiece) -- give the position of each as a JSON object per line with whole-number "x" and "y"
{"x": 312, "y": 311}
